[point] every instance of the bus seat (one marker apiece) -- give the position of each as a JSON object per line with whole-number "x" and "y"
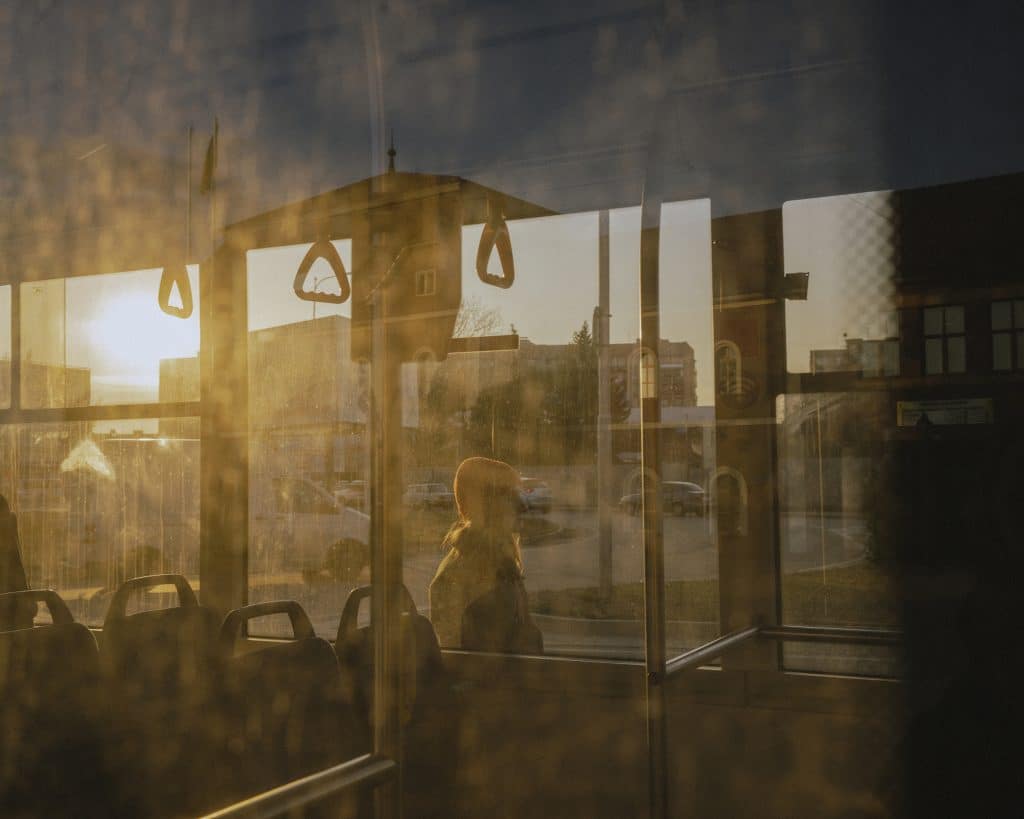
{"x": 288, "y": 714}
{"x": 162, "y": 670}
{"x": 430, "y": 709}
{"x": 51, "y": 713}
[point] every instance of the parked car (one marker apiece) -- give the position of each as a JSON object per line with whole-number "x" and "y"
{"x": 677, "y": 497}
{"x": 534, "y": 494}
{"x": 429, "y": 496}
{"x": 351, "y": 493}
{"x": 301, "y": 526}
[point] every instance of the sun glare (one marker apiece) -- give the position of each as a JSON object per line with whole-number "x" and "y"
{"x": 130, "y": 335}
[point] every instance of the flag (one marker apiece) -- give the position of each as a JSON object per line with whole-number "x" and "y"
{"x": 210, "y": 163}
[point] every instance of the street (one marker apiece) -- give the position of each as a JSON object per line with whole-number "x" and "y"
{"x": 690, "y": 554}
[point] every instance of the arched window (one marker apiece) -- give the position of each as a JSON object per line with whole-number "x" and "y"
{"x": 729, "y": 502}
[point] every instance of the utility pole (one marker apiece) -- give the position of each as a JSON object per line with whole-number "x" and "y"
{"x": 604, "y": 431}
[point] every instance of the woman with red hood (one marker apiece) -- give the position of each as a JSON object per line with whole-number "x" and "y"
{"x": 477, "y": 598}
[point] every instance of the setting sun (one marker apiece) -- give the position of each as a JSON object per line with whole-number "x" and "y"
{"x": 124, "y": 334}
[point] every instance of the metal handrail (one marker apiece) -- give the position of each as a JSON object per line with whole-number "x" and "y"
{"x": 828, "y": 634}
{"x": 713, "y": 649}
{"x": 709, "y": 651}
{"x": 363, "y": 770}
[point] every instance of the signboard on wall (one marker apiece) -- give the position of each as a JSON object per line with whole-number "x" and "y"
{"x": 945, "y": 412}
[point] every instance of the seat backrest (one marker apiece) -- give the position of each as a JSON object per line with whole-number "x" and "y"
{"x": 164, "y": 655}
{"x": 289, "y": 717}
{"x": 52, "y": 740}
{"x": 421, "y": 663}
{"x": 430, "y": 707}
{"x": 48, "y": 663}
{"x": 161, "y": 669}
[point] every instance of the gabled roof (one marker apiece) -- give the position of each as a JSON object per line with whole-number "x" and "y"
{"x": 293, "y": 222}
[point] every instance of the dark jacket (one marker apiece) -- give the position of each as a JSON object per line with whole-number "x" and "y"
{"x": 478, "y": 600}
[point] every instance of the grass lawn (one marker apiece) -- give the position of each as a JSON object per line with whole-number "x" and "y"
{"x": 860, "y": 595}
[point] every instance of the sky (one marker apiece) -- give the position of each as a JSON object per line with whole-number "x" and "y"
{"x": 847, "y": 245}
{"x": 734, "y": 108}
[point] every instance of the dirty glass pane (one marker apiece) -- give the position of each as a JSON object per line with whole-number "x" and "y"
{"x": 98, "y": 503}
{"x": 308, "y": 469}
{"x": 94, "y": 340}
{"x": 560, "y": 403}
{"x": 832, "y": 192}
{"x": 829, "y": 443}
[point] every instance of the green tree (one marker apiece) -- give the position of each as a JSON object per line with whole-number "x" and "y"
{"x": 547, "y": 414}
{"x": 495, "y": 421}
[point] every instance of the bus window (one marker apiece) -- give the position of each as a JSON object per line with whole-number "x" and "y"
{"x": 833, "y": 553}
{"x": 308, "y": 405}
{"x": 102, "y": 340}
{"x": 98, "y": 503}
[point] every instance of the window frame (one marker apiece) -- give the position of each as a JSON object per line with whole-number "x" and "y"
{"x": 223, "y": 416}
{"x": 1014, "y": 332}
{"x": 15, "y": 414}
{"x": 944, "y": 337}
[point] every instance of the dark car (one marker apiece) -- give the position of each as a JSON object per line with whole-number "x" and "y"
{"x": 677, "y": 497}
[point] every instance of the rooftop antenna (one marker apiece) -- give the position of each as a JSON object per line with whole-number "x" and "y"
{"x": 391, "y": 153}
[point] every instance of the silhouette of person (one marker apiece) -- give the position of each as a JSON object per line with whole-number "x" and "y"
{"x": 12, "y": 573}
{"x": 477, "y": 597}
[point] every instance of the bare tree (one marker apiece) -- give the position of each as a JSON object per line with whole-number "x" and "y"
{"x": 475, "y": 319}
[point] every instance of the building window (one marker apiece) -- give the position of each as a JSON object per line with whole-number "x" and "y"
{"x": 673, "y": 387}
{"x": 648, "y": 379}
{"x": 1008, "y": 335}
{"x": 426, "y": 282}
{"x": 945, "y": 345}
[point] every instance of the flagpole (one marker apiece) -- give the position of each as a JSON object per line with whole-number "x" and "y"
{"x": 188, "y": 200}
{"x": 213, "y": 186}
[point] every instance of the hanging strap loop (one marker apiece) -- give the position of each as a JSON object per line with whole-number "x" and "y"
{"x": 322, "y": 248}
{"x": 175, "y": 275}
{"x": 495, "y": 234}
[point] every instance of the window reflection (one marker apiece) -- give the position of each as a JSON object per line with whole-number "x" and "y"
{"x": 98, "y": 504}
{"x": 523, "y": 383}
